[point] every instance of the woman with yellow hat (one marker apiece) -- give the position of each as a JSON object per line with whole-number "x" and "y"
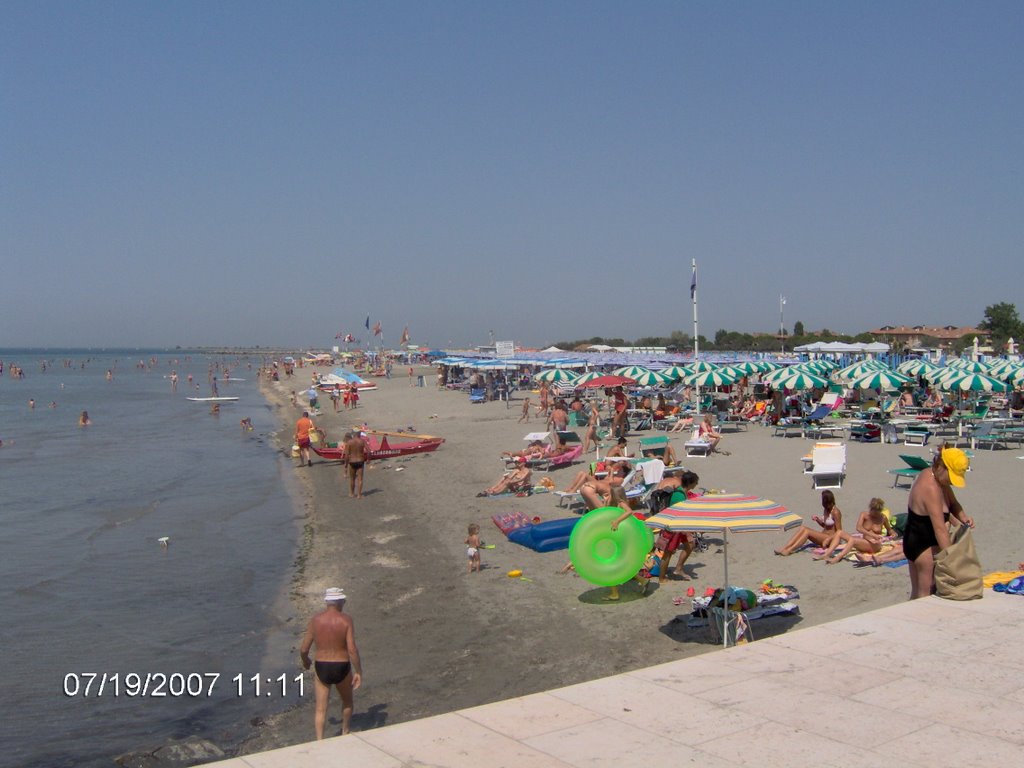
{"x": 929, "y": 508}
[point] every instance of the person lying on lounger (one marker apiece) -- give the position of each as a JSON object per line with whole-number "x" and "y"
{"x": 683, "y": 424}
{"x": 535, "y": 450}
{"x": 872, "y": 525}
{"x": 516, "y": 481}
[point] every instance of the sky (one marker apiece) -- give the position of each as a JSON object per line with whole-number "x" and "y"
{"x": 266, "y": 173}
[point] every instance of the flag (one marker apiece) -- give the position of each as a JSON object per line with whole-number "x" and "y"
{"x": 693, "y": 284}
{"x": 405, "y": 336}
{"x": 339, "y": 335}
{"x": 367, "y": 322}
{"x": 349, "y": 338}
{"x": 376, "y": 328}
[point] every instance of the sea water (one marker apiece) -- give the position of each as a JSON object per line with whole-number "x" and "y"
{"x": 89, "y": 590}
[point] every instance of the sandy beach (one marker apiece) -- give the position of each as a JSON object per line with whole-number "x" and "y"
{"x": 434, "y": 638}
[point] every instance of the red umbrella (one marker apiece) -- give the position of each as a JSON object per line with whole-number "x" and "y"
{"x": 608, "y": 381}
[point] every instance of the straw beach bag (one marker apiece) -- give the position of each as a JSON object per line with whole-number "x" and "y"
{"x": 957, "y": 568}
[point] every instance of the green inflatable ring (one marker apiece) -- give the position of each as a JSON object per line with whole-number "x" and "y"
{"x": 606, "y": 557}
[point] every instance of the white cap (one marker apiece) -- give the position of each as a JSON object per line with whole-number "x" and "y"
{"x": 334, "y": 595}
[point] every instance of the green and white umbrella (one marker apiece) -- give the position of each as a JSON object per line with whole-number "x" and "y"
{"x": 588, "y": 377}
{"x": 556, "y": 376}
{"x": 968, "y": 366}
{"x": 972, "y": 382}
{"x": 800, "y": 380}
{"x": 817, "y": 367}
{"x": 732, "y": 370}
{"x": 778, "y": 375}
{"x": 652, "y": 379}
{"x": 747, "y": 367}
{"x": 700, "y": 366}
{"x": 859, "y": 369}
{"x": 879, "y": 380}
{"x": 1000, "y": 369}
{"x": 1015, "y": 377}
{"x": 675, "y": 372}
{"x": 631, "y": 371}
{"x": 709, "y": 379}
{"x": 917, "y": 368}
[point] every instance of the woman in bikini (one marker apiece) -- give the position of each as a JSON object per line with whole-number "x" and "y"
{"x": 931, "y": 504}
{"x": 830, "y": 521}
{"x": 872, "y": 525}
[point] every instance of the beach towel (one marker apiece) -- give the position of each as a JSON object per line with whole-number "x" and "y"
{"x": 510, "y": 521}
{"x": 653, "y": 471}
{"x": 1000, "y": 577}
{"x": 1014, "y": 587}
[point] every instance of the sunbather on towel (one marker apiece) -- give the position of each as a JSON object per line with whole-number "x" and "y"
{"x": 872, "y": 525}
{"x": 892, "y": 555}
{"x": 830, "y": 522}
{"x": 511, "y": 482}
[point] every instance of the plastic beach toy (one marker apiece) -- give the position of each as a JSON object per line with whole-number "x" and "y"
{"x": 605, "y": 557}
{"x": 514, "y": 574}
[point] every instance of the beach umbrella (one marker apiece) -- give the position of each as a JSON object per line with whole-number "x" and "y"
{"x": 817, "y": 367}
{"x": 607, "y": 380}
{"x": 710, "y": 379}
{"x": 631, "y": 371}
{"x": 1015, "y": 377}
{"x": 652, "y": 379}
{"x": 917, "y": 368}
{"x": 968, "y": 366}
{"x": 675, "y": 372}
{"x": 800, "y": 380}
{"x": 1000, "y": 369}
{"x": 778, "y": 374}
{"x": 972, "y": 382}
{"x": 556, "y": 376}
{"x": 699, "y": 366}
{"x": 879, "y": 380}
{"x": 858, "y": 369}
{"x": 723, "y": 513}
{"x": 747, "y": 367}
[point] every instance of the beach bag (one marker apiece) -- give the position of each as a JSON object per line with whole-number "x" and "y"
{"x": 957, "y": 568}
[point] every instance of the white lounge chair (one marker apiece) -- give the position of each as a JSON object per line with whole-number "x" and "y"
{"x": 828, "y": 466}
{"x": 697, "y": 446}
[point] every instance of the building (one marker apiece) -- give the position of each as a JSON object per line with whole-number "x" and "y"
{"x": 906, "y": 337}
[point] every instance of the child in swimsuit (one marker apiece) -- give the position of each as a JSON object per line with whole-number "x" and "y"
{"x": 473, "y": 545}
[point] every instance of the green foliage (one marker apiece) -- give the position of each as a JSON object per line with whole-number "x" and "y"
{"x": 798, "y": 328}
{"x": 1002, "y": 323}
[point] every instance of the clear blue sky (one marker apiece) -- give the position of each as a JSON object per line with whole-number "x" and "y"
{"x": 270, "y": 173}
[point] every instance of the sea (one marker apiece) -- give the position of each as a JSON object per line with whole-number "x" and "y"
{"x": 112, "y": 640}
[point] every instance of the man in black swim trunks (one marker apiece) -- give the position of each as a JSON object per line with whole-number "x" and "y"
{"x": 355, "y": 458}
{"x": 337, "y": 658}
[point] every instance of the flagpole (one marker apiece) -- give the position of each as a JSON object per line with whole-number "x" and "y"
{"x": 696, "y": 343}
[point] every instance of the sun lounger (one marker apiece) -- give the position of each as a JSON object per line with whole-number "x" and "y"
{"x": 916, "y": 434}
{"x": 914, "y": 466}
{"x": 697, "y": 448}
{"x": 829, "y": 468}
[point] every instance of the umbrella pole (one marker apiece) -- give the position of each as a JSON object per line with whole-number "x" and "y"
{"x": 725, "y": 587}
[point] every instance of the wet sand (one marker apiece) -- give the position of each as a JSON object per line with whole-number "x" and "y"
{"x": 434, "y": 638}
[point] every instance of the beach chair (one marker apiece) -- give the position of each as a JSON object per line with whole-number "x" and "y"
{"x": 564, "y": 459}
{"x": 916, "y": 434}
{"x": 914, "y": 466}
{"x": 985, "y": 433}
{"x": 654, "y": 446}
{"x": 477, "y": 395}
{"x": 696, "y": 446}
{"x": 829, "y": 466}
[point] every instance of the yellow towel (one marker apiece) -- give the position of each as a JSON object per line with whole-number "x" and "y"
{"x": 1000, "y": 577}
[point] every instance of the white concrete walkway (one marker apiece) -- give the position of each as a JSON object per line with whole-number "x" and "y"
{"x": 834, "y": 694}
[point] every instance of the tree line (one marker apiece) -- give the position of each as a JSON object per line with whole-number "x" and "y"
{"x": 1001, "y": 323}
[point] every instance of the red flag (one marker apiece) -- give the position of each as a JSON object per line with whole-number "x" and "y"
{"x": 349, "y": 338}
{"x": 339, "y": 335}
{"x": 376, "y": 328}
{"x": 405, "y": 336}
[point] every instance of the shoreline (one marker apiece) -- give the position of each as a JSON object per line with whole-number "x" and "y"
{"x": 434, "y": 639}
